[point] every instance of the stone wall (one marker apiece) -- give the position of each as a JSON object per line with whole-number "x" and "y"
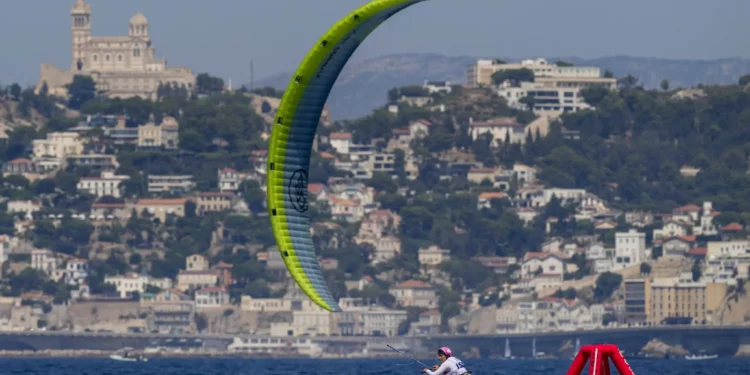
{"x": 221, "y": 320}
{"x": 110, "y": 315}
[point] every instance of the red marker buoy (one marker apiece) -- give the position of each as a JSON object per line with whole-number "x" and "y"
{"x": 598, "y": 357}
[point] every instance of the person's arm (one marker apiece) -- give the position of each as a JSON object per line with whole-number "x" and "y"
{"x": 442, "y": 370}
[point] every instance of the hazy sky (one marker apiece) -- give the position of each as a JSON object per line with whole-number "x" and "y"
{"x": 222, "y": 36}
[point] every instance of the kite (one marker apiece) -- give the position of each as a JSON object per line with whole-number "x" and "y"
{"x": 292, "y": 138}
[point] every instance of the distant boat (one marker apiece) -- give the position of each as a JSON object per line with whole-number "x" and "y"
{"x": 121, "y": 358}
{"x": 701, "y": 357}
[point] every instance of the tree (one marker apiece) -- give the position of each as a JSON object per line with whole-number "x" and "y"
{"x": 253, "y": 196}
{"x": 645, "y": 268}
{"x": 80, "y": 91}
{"x": 516, "y": 76}
{"x": 207, "y": 84}
{"x": 269, "y": 91}
{"x": 608, "y": 74}
{"x": 383, "y": 182}
{"x": 664, "y": 85}
{"x": 569, "y": 293}
{"x": 201, "y": 322}
{"x": 15, "y": 91}
{"x": 67, "y": 182}
{"x": 744, "y": 80}
{"x": 265, "y": 107}
{"x": 529, "y": 102}
{"x": 696, "y": 270}
{"x": 563, "y": 64}
{"x": 135, "y": 259}
{"x": 44, "y": 186}
{"x": 627, "y": 82}
{"x": 190, "y": 209}
{"x": 606, "y": 284}
{"x": 27, "y": 280}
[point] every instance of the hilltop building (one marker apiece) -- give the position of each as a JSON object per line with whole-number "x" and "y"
{"x": 556, "y": 89}
{"x": 122, "y": 66}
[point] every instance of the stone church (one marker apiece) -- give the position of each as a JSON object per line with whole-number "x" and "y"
{"x": 122, "y": 66}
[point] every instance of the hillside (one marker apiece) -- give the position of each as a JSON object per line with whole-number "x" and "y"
{"x": 362, "y": 85}
{"x": 479, "y": 203}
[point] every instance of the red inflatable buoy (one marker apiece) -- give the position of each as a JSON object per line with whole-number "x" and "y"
{"x": 598, "y": 357}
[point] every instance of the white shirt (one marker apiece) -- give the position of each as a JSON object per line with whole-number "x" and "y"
{"x": 451, "y": 366}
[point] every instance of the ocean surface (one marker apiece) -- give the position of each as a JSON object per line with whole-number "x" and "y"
{"x": 193, "y": 366}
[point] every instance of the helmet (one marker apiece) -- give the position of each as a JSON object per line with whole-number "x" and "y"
{"x": 445, "y": 350}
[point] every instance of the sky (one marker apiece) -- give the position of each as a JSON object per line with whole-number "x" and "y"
{"x": 222, "y": 37}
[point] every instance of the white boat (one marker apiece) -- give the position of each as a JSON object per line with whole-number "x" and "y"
{"x": 701, "y": 357}
{"x": 121, "y": 358}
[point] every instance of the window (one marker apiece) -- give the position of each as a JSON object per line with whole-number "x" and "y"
{"x": 119, "y": 57}
{"x": 106, "y": 57}
{"x": 136, "y": 52}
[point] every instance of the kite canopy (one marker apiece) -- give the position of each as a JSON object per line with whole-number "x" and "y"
{"x": 292, "y": 138}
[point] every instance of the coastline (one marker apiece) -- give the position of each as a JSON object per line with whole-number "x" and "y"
{"x": 8, "y": 354}
{"x": 107, "y": 353}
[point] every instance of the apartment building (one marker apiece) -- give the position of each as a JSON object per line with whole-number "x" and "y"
{"x": 681, "y": 297}
{"x": 556, "y": 89}
{"x": 173, "y": 184}
{"x": 107, "y": 184}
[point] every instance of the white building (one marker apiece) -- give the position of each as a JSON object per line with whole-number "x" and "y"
{"x": 500, "y": 129}
{"x": 728, "y": 249}
{"x": 265, "y": 346}
{"x": 433, "y": 255}
{"x": 419, "y": 129}
{"x": 437, "y": 87}
{"x": 211, "y": 297}
{"x": 543, "y": 264}
{"x": 50, "y": 153}
{"x": 386, "y": 248}
{"x": 705, "y": 225}
{"x": 384, "y": 322}
{"x": 555, "y": 89}
{"x": 43, "y": 260}
{"x": 76, "y": 271}
{"x": 566, "y": 196}
{"x": 107, "y": 184}
{"x": 341, "y": 142}
{"x": 601, "y": 257}
{"x": 524, "y": 173}
{"x": 28, "y": 208}
{"x": 4, "y": 250}
{"x": 481, "y": 73}
{"x": 229, "y": 180}
{"x": 164, "y": 136}
{"x": 196, "y": 262}
{"x": 547, "y": 99}
{"x": 630, "y": 249}
{"x": 170, "y": 183}
{"x": 415, "y": 293}
{"x": 130, "y": 283}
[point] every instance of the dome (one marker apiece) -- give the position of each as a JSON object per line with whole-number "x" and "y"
{"x": 139, "y": 19}
{"x": 80, "y": 7}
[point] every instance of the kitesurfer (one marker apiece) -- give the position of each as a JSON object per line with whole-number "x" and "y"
{"x": 449, "y": 365}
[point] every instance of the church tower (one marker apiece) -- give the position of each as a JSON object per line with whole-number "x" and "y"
{"x": 81, "y": 33}
{"x": 138, "y": 26}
